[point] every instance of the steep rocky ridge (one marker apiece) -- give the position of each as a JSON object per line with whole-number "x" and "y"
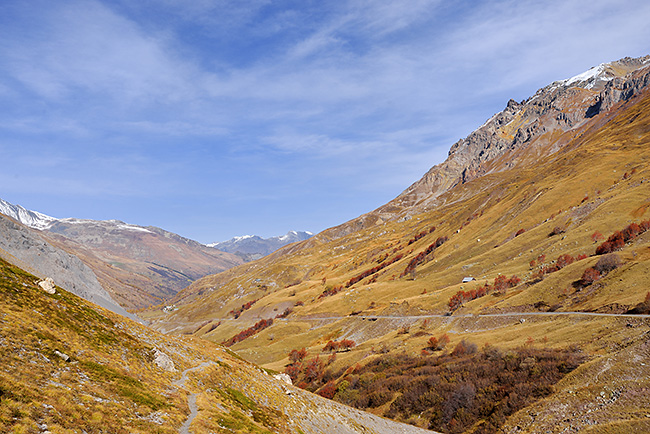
{"x": 26, "y": 247}
{"x": 521, "y": 130}
{"x": 32, "y": 219}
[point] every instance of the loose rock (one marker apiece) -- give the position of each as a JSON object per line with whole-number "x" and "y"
{"x": 48, "y": 285}
{"x": 64, "y": 356}
{"x": 163, "y": 361}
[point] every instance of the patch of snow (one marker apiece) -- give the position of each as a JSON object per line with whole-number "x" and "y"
{"x": 587, "y": 75}
{"x": 135, "y": 228}
{"x": 32, "y": 219}
{"x": 592, "y": 76}
{"x": 74, "y": 221}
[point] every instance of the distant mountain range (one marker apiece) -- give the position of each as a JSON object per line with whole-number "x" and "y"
{"x": 251, "y": 247}
{"x": 137, "y": 265}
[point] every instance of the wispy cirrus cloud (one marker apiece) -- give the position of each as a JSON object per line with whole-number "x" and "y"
{"x": 216, "y": 90}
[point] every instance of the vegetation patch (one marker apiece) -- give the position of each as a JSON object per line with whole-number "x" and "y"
{"x": 501, "y": 283}
{"x": 453, "y": 392}
{"x": 125, "y": 385}
{"x": 617, "y": 240}
{"x": 244, "y": 334}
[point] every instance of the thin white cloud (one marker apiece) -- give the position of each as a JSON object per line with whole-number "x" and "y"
{"x": 355, "y": 83}
{"x": 85, "y": 47}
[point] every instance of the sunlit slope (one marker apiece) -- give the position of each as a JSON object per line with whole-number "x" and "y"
{"x": 524, "y": 233}
{"x": 67, "y": 366}
{"x": 595, "y": 183}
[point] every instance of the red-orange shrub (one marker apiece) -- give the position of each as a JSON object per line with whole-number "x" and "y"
{"x": 589, "y": 276}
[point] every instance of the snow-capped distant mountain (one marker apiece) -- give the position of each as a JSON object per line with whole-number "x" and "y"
{"x": 33, "y": 219}
{"x": 252, "y": 247}
{"x": 138, "y": 265}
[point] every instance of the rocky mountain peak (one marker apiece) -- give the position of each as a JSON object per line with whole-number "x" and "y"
{"x": 559, "y": 107}
{"x": 32, "y": 219}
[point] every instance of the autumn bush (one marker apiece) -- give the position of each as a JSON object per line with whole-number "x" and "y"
{"x": 437, "y": 344}
{"x": 589, "y": 276}
{"x": 331, "y": 290}
{"x": 369, "y": 272}
{"x": 423, "y": 256}
{"x": 561, "y": 262}
{"x": 245, "y": 334}
{"x": 608, "y": 263}
{"x": 500, "y": 285}
{"x": 288, "y": 311}
{"x": 336, "y": 346}
{"x": 617, "y": 240}
{"x": 297, "y": 355}
{"x": 604, "y": 265}
{"x": 237, "y": 312}
{"x": 452, "y": 392}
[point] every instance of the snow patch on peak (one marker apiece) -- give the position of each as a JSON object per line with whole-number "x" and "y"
{"x": 135, "y": 228}
{"x": 32, "y": 219}
{"x": 256, "y": 246}
{"x": 592, "y": 73}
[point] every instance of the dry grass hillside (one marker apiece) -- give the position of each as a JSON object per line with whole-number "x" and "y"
{"x": 67, "y": 366}
{"x": 139, "y": 266}
{"x": 393, "y": 285}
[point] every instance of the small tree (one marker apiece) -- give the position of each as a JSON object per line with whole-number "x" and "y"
{"x": 589, "y": 276}
{"x": 607, "y": 263}
{"x": 347, "y": 344}
{"x": 443, "y": 341}
{"x": 297, "y": 355}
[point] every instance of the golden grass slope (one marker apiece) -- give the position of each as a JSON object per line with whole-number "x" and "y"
{"x": 67, "y": 366}
{"x": 597, "y": 181}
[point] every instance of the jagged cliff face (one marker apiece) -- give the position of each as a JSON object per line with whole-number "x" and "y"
{"x": 520, "y": 134}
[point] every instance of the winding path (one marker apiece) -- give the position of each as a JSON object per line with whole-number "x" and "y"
{"x": 191, "y": 398}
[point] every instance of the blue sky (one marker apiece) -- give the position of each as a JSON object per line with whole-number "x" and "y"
{"x": 216, "y": 118}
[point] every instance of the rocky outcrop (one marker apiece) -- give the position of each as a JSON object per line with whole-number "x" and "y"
{"x": 163, "y": 361}
{"x": 555, "y": 109}
{"x": 48, "y": 285}
{"x": 283, "y": 377}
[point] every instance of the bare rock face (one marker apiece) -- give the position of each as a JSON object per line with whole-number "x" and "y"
{"x": 163, "y": 361}
{"x": 48, "y": 285}
{"x": 283, "y": 377}
{"x": 27, "y": 249}
{"x": 62, "y": 356}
